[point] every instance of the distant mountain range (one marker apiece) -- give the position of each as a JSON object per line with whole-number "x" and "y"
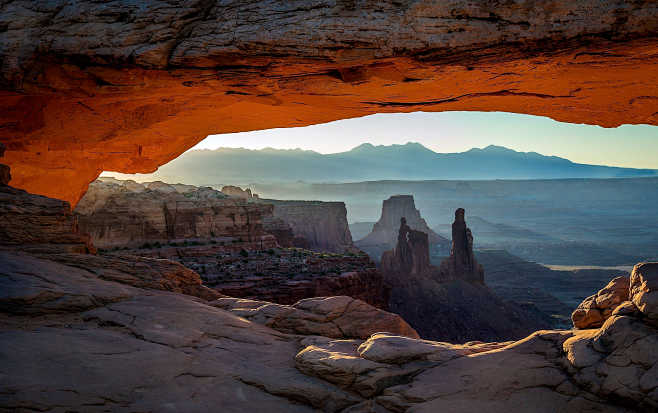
{"x": 411, "y": 161}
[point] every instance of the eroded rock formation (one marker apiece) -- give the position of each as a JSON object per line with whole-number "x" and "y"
{"x": 40, "y": 224}
{"x": 147, "y": 337}
{"x": 444, "y": 304}
{"x": 411, "y": 254}
{"x": 597, "y": 308}
{"x": 127, "y": 214}
{"x": 118, "y": 87}
{"x": 461, "y": 263}
{"x": 237, "y": 192}
{"x": 384, "y": 234}
{"x": 316, "y": 225}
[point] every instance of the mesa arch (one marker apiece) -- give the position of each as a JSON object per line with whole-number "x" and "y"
{"x": 128, "y": 86}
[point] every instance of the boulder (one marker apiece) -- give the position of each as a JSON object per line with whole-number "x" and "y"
{"x": 644, "y": 289}
{"x": 338, "y": 317}
{"x": 595, "y": 309}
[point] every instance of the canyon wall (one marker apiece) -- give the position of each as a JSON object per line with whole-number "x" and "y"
{"x": 127, "y": 214}
{"x": 320, "y": 226}
{"x": 36, "y": 223}
{"x": 88, "y": 87}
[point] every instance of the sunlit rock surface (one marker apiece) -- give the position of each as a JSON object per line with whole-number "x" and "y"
{"x": 127, "y": 86}
{"x": 597, "y": 308}
{"x": 128, "y": 214}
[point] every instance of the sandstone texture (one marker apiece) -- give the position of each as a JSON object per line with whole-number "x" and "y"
{"x": 384, "y": 234}
{"x": 237, "y": 192}
{"x": 152, "y": 350}
{"x": 37, "y": 223}
{"x": 148, "y": 337}
{"x": 644, "y": 289}
{"x": 597, "y": 308}
{"x": 316, "y": 225}
{"x": 127, "y": 86}
{"x": 118, "y": 214}
{"x": 337, "y": 317}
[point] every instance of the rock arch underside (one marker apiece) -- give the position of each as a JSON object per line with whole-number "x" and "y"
{"x": 127, "y": 86}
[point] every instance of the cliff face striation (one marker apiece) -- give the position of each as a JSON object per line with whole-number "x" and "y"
{"x": 316, "y": 225}
{"x": 384, "y": 234}
{"x": 450, "y": 302}
{"x": 36, "y": 223}
{"x": 89, "y": 87}
{"x": 127, "y": 214}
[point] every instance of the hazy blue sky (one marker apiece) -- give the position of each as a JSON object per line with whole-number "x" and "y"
{"x": 629, "y": 146}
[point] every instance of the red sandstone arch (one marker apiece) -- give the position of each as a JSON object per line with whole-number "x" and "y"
{"x": 116, "y": 87}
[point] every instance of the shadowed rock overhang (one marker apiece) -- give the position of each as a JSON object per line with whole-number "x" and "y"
{"x": 128, "y": 85}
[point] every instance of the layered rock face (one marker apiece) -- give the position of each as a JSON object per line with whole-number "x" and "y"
{"x": 5, "y": 175}
{"x": 384, "y": 234}
{"x": 117, "y": 87}
{"x": 36, "y": 223}
{"x": 130, "y": 214}
{"x": 316, "y": 225}
{"x": 450, "y": 302}
{"x": 461, "y": 262}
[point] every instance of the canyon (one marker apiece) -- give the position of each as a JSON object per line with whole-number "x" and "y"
{"x": 240, "y": 245}
{"x": 451, "y": 302}
{"x": 128, "y": 214}
{"x": 124, "y": 213}
{"x": 125, "y": 88}
{"x": 334, "y": 354}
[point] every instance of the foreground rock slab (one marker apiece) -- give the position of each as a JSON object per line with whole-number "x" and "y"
{"x": 139, "y": 348}
{"x": 325, "y": 316}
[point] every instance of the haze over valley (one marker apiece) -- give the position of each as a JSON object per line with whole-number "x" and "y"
{"x": 367, "y": 162}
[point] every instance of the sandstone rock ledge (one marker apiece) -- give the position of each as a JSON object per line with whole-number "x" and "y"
{"x": 139, "y": 348}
